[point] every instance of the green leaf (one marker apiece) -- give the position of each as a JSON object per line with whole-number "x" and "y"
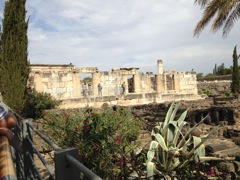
{"x": 152, "y": 149}
{"x": 178, "y": 132}
{"x": 182, "y": 117}
{"x": 190, "y": 131}
{"x": 161, "y": 141}
{"x": 168, "y": 115}
{"x": 150, "y": 170}
{"x": 170, "y": 134}
{"x": 202, "y": 141}
{"x": 198, "y": 152}
{"x": 209, "y": 158}
{"x": 172, "y": 117}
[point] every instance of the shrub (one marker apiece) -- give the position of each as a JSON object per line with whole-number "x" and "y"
{"x": 207, "y": 92}
{"x": 228, "y": 95}
{"x": 37, "y": 102}
{"x": 105, "y": 138}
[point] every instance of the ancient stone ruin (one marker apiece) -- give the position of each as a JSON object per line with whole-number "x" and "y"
{"x": 64, "y": 82}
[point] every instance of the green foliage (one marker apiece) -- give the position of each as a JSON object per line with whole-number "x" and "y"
{"x": 235, "y": 85}
{"x": 37, "y": 102}
{"x": 105, "y": 138}
{"x": 210, "y": 75}
{"x": 87, "y": 79}
{"x": 171, "y": 149}
{"x": 199, "y": 75}
{"x": 228, "y": 94}
{"x": 207, "y": 92}
{"x": 219, "y": 70}
{"x": 14, "y": 65}
{"x": 228, "y": 71}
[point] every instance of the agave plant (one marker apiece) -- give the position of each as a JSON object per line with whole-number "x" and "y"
{"x": 170, "y": 148}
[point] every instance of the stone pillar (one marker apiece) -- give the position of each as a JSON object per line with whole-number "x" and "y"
{"x": 160, "y": 83}
{"x": 76, "y": 84}
{"x": 95, "y": 80}
{"x": 136, "y": 81}
{"x": 38, "y": 83}
{"x": 176, "y": 81}
{"x": 148, "y": 83}
{"x": 160, "y": 66}
{"x": 164, "y": 82}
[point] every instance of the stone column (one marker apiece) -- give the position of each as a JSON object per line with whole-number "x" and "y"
{"x": 160, "y": 66}
{"x": 95, "y": 80}
{"x": 136, "y": 81}
{"x": 176, "y": 81}
{"x": 148, "y": 83}
{"x": 160, "y": 83}
{"x": 76, "y": 84}
{"x": 164, "y": 82}
{"x": 38, "y": 83}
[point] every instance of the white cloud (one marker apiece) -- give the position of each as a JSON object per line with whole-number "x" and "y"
{"x": 123, "y": 33}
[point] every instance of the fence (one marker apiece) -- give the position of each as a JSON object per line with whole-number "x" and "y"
{"x": 23, "y": 149}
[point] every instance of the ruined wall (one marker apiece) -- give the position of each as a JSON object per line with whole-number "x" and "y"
{"x": 64, "y": 83}
{"x": 188, "y": 82}
{"x": 217, "y": 87}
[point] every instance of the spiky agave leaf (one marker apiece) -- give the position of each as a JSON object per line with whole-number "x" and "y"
{"x": 189, "y": 132}
{"x": 150, "y": 170}
{"x": 152, "y": 149}
{"x": 168, "y": 115}
{"x": 199, "y": 152}
{"x": 202, "y": 141}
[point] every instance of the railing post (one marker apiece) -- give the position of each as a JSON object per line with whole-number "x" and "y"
{"x": 64, "y": 169}
{"x": 27, "y": 149}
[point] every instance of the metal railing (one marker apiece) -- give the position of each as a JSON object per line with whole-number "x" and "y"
{"x": 23, "y": 149}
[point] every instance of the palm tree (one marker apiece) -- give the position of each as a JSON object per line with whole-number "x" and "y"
{"x": 224, "y": 12}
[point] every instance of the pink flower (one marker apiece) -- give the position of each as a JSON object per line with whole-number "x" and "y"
{"x": 120, "y": 160}
{"x": 211, "y": 172}
{"x": 176, "y": 155}
{"x": 119, "y": 140}
{"x": 95, "y": 148}
{"x": 85, "y": 127}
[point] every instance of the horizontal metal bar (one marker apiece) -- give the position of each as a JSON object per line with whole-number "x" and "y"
{"x": 87, "y": 172}
{"x": 47, "y": 140}
{"x": 49, "y": 169}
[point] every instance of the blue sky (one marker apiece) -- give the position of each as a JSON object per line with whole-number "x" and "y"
{"x": 124, "y": 33}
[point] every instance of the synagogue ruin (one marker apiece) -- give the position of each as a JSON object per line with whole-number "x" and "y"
{"x": 65, "y": 83}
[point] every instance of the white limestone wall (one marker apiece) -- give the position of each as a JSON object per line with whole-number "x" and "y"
{"x": 111, "y": 83}
{"x": 59, "y": 85}
{"x": 187, "y": 83}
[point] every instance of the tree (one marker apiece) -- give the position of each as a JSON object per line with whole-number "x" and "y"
{"x": 224, "y": 12}
{"x": 215, "y": 69}
{"x": 14, "y": 65}
{"x": 235, "y": 85}
{"x": 199, "y": 75}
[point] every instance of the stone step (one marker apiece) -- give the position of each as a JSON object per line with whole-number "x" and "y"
{"x": 233, "y": 152}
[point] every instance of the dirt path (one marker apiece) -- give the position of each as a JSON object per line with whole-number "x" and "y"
{"x": 46, "y": 153}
